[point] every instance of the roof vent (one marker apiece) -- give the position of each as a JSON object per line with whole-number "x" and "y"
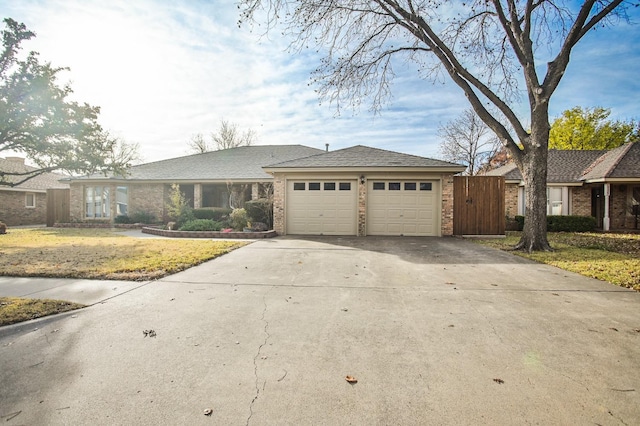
{"x": 326, "y": 147}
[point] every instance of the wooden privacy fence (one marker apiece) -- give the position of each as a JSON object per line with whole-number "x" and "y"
{"x": 478, "y": 205}
{"x": 58, "y": 201}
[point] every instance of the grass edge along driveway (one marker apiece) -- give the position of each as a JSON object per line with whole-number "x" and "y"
{"x": 610, "y": 257}
{"x": 101, "y": 254}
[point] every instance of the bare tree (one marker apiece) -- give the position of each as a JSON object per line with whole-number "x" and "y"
{"x": 228, "y": 136}
{"x": 198, "y": 144}
{"x": 488, "y": 48}
{"x": 468, "y": 140}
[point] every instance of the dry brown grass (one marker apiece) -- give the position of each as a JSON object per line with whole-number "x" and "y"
{"x": 101, "y": 254}
{"x": 14, "y": 309}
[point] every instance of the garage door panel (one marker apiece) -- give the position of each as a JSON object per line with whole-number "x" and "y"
{"x": 321, "y": 212}
{"x": 404, "y": 211}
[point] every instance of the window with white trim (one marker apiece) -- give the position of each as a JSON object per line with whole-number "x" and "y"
{"x": 122, "y": 201}
{"x": 97, "y": 203}
{"x": 30, "y": 200}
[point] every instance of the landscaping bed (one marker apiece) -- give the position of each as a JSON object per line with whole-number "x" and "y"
{"x": 209, "y": 234}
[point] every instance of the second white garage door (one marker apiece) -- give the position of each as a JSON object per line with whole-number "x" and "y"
{"x": 322, "y": 207}
{"x": 408, "y": 208}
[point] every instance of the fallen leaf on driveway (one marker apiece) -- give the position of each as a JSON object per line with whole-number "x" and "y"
{"x": 351, "y": 379}
{"x": 499, "y": 381}
{"x": 150, "y": 333}
{"x": 208, "y": 412}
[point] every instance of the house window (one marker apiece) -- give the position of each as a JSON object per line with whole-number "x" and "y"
{"x": 329, "y": 186}
{"x": 30, "y": 200}
{"x": 425, "y": 186}
{"x": 299, "y": 186}
{"x": 345, "y": 186}
{"x": 394, "y": 186}
{"x": 122, "y": 201}
{"x": 378, "y": 186}
{"x": 409, "y": 186}
{"x": 314, "y": 186}
{"x": 97, "y": 203}
{"x": 554, "y": 201}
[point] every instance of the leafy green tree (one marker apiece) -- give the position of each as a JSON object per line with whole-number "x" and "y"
{"x": 495, "y": 51}
{"x": 589, "y": 129}
{"x": 37, "y": 118}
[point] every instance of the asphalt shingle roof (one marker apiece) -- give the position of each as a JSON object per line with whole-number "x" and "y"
{"x": 38, "y": 183}
{"x": 621, "y": 162}
{"x": 244, "y": 162}
{"x": 362, "y": 156}
{"x": 572, "y": 166}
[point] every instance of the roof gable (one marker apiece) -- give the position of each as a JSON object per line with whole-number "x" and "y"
{"x": 38, "y": 183}
{"x": 363, "y": 156}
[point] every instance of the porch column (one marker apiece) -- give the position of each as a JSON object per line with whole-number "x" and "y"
{"x": 255, "y": 191}
{"x": 606, "y": 222}
{"x": 197, "y": 196}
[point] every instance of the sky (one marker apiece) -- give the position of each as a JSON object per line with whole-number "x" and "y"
{"x": 165, "y": 70}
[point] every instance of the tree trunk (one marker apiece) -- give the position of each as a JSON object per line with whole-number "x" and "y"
{"x": 534, "y": 173}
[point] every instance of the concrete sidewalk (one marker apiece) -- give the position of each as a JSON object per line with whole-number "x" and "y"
{"x": 87, "y": 292}
{"x": 436, "y": 330}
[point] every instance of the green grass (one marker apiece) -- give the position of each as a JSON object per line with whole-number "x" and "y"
{"x": 101, "y": 254}
{"x": 14, "y": 309}
{"x": 609, "y": 257}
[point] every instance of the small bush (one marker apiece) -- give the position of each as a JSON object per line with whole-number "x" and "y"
{"x": 122, "y": 219}
{"x": 239, "y": 219}
{"x": 201, "y": 225}
{"x": 142, "y": 217}
{"x": 520, "y": 222}
{"x": 565, "y": 223}
{"x": 215, "y": 213}
{"x": 571, "y": 223}
{"x": 260, "y": 210}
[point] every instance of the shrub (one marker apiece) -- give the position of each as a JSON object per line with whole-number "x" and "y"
{"x": 260, "y": 210}
{"x": 571, "y": 223}
{"x": 239, "y": 219}
{"x": 215, "y": 213}
{"x": 178, "y": 208}
{"x": 122, "y": 219}
{"x": 201, "y": 225}
{"x": 142, "y": 217}
{"x": 565, "y": 223}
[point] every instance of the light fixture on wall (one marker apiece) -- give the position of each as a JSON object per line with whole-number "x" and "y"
{"x": 362, "y": 179}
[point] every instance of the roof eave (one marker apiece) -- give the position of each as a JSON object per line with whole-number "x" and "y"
{"x": 366, "y": 169}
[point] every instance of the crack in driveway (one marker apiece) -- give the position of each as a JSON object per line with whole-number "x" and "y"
{"x": 255, "y": 360}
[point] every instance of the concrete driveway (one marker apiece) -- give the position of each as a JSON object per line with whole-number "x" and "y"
{"x": 436, "y": 331}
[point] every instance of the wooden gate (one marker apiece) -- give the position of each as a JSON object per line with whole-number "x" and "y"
{"x": 58, "y": 201}
{"x": 478, "y": 205}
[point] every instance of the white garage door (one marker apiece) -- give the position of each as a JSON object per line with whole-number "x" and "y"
{"x": 322, "y": 207}
{"x": 403, "y": 208}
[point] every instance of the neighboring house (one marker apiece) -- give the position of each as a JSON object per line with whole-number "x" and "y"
{"x": 602, "y": 184}
{"x": 353, "y": 191}
{"x": 25, "y": 204}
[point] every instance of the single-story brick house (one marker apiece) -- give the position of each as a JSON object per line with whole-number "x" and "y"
{"x": 602, "y": 184}
{"x": 25, "y": 204}
{"x": 353, "y": 191}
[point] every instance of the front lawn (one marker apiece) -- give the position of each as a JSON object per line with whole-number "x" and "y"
{"x": 101, "y": 254}
{"x": 609, "y": 257}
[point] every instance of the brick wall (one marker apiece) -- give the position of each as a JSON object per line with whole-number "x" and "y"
{"x": 13, "y": 210}
{"x": 149, "y": 198}
{"x": 279, "y": 189}
{"x": 511, "y": 200}
{"x": 580, "y": 200}
{"x": 362, "y": 209}
{"x": 447, "y": 204}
